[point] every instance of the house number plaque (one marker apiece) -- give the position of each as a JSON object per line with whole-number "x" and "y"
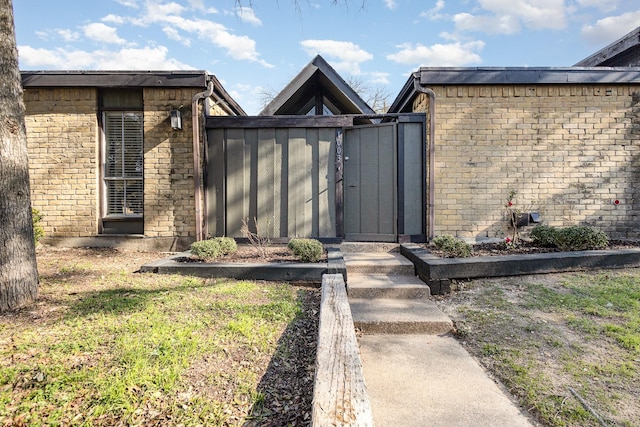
{"x": 339, "y": 150}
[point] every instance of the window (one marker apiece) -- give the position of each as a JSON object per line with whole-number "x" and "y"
{"x": 124, "y": 155}
{"x": 311, "y": 109}
{"x": 123, "y": 163}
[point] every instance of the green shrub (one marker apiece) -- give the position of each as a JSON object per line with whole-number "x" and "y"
{"x": 580, "y": 238}
{"x": 544, "y": 235}
{"x": 213, "y": 248}
{"x": 306, "y": 250}
{"x": 452, "y": 247}
{"x": 227, "y": 244}
{"x": 38, "y": 230}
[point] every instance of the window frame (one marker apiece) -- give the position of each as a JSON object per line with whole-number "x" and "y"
{"x": 119, "y": 223}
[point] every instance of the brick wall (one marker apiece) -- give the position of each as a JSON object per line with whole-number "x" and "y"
{"x": 169, "y": 205}
{"x": 569, "y": 151}
{"x": 62, "y": 138}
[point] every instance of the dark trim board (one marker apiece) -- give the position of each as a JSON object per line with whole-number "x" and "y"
{"x": 278, "y": 272}
{"x": 621, "y": 52}
{"x": 344, "y": 120}
{"x": 196, "y": 79}
{"x": 253, "y": 122}
{"x": 438, "y": 272}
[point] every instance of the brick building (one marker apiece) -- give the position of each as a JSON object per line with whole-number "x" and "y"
{"x": 567, "y": 140}
{"x": 108, "y": 162}
{"x": 109, "y": 167}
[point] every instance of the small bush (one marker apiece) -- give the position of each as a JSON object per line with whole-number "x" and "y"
{"x": 38, "y": 230}
{"x": 306, "y": 250}
{"x": 452, "y": 247}
{"x": 227, "y": 245}
{"x": 213, "y": 248}
{"x": 580, "y": 238}
{"x": 544, "y": 235}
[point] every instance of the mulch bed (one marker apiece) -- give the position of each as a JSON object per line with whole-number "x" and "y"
{"x": 524, "y": 247}
{"x": 249, "y": 254}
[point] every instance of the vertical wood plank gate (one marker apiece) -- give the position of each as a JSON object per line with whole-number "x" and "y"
{"x": 318, "y": 176}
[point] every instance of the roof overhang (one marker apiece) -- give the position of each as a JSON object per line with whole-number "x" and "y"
{"x": 196, "y": 79}
{"x": 317, "y": 76}
{"x": 450, "y": 76}
{"x": 113, "y": 79}
{"x": 624, "y": 51}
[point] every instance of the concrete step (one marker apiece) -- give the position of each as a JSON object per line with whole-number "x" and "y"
{"x": 383, "y": 286}
{"x": 391, "y": 263}
{"x": 356, "y": 247}
{"x": 398, "y": 316}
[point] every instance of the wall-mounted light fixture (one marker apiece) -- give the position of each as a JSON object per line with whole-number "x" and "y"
{"x": 176, "y": 120}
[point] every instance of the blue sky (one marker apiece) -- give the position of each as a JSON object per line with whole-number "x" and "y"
{"x": 261, "y": 48}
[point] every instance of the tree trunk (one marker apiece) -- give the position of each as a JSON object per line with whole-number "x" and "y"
{"x": 18, "y": 270}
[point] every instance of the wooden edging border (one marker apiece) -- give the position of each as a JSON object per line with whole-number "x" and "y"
{"x": 438, "y": 272}
{"x": 340, "y": 394}
{"x": 283, "y": 272}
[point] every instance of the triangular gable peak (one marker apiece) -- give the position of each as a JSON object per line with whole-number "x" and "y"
{"x": 624, "y": 52}
{"x": 317, "y": 90}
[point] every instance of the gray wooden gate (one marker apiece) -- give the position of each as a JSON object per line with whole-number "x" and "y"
{"x": 370, "y": 183}
{"x": 290, "y": 174}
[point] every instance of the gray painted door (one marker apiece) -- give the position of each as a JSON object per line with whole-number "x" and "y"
{"x": 370, "y": 183}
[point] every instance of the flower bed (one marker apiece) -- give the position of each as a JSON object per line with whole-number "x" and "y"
{"x": 438, "y": 272}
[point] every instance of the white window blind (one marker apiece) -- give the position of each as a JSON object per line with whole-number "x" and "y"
{"x": 123, "y": 169}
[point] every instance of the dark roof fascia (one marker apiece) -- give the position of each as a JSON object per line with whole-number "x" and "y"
{"x": 113, "y": 79}
{"x": 342, "y": 85}
{"x": 294, "y": 85}
{"x": 612, "y": 50}
{"x": 406, "y": 93}
{"x": 129, "y": 79}
{"x": 454, "y": 76}
{"x": 528, "y": 75}
{"x": 318, "y": 64}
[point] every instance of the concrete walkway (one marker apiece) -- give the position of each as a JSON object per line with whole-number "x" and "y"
{"x": 416, "y": 372}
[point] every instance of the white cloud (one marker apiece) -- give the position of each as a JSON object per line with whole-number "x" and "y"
{"x": 155, "y": 12}
{"x": 68, "y": 35}
{"x": 102, "y": 33}
{"x": 452, "y": 54}
{"x": 434, "y": 14}
{"x": 173, "y": 34}
{"x": 347, "y": 55}
{"x": 611, "y": 28}
{"x": 507, "y": 16}
{"x": 113, "y": 19}
{"x": 248, "y": 15}
{"x": 200, "y": 5}
{"x": 169, "y": 16}
{"x": 65, "y": 34}
{"x": 128, "y": 3}
{"x": 149, "y": 58}
{"x": 391, "y": 4}
{"x": 379, "y": 78}
{"x": 603, "y": 5}
{"x": 490, "y": 24}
